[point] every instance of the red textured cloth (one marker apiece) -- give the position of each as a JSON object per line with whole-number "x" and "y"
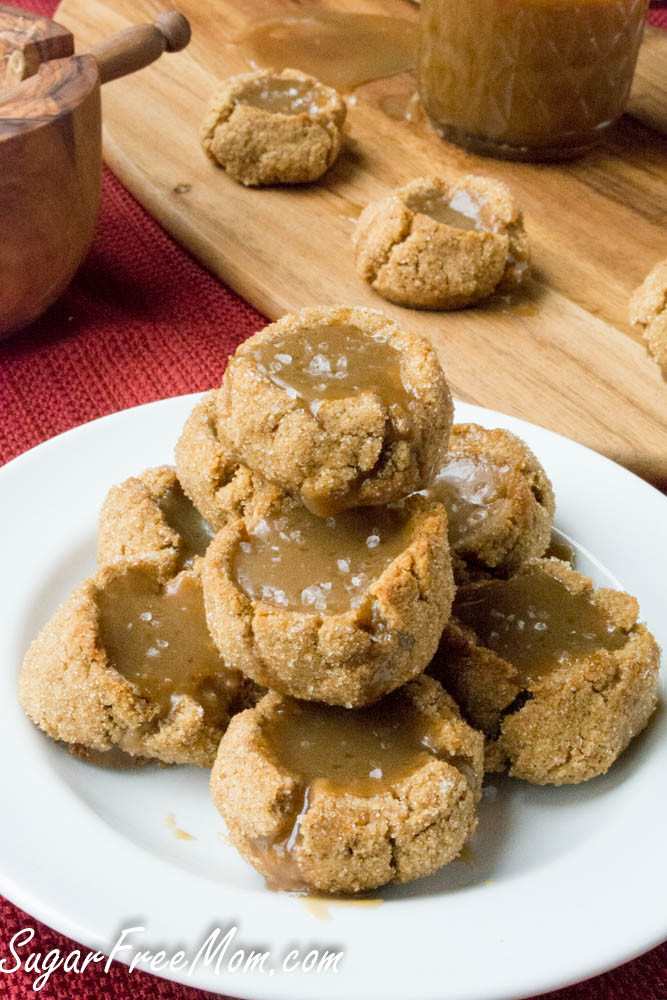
{"x": 143, "y": 321}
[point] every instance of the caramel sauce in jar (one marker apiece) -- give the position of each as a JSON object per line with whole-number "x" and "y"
{"x": 533, "y": 621}
{"x": 527, "y": 79}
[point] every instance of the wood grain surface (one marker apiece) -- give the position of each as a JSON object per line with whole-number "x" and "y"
{"x": 26, "y": 40}
{"x": 564, "y": 357}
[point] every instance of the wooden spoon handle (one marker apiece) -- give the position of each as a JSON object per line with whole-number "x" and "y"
{"x": 141, "y": 45}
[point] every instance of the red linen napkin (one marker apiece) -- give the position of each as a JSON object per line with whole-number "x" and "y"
{"x": 143, "y": 321}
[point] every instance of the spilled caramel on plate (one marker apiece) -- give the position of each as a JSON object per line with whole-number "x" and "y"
{"x": 286, "y": 97}
{"x": 342, "y": 50}
{"x": 157, "y": 638}
{"x": 333, "y": 362}
{"x": 468, "y": 489}
{"x": 535, "y": 622}
{"x": 185, "y": 520}
{"x": 301, "y": 562}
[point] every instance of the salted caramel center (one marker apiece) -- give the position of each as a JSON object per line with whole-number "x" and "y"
{"x": 468, "y": 489}
{"x": 185, "y": 520}
{"x": 285, "y": 97}
{"x": 362, "y": 751}
{"x": 306, "y": 563}
{"x": 463, "y": 210}
{"x": 534, "y": 622}
{"x": 157, "y": 638}
{"x": 333, "y": 362}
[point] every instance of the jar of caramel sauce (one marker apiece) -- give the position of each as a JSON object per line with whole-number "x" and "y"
{"x": 527, "y": 79}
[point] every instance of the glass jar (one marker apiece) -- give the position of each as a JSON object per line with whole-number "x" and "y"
{"x": 527, "y": 79}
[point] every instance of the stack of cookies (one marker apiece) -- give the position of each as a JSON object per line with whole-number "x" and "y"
{"x": 343, "y": 604}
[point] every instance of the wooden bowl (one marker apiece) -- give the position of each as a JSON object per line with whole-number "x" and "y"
{"x": 51, "y": 148}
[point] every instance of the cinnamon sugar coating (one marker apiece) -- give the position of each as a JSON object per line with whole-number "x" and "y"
{"x": 220, "y": 487}
{"x": 570, "y": 724}
{"x": 414, "y": 259}
{"x": 346, "y": 842}
{"x": 150, "y": 513}
{"x": 273, "y": 128}
{"x": 648, "y": 311}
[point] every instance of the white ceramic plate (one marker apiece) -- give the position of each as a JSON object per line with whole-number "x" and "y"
{"x": 563, "y": 883}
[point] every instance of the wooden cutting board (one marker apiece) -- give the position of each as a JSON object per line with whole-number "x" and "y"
{"x": 567, "y": 361}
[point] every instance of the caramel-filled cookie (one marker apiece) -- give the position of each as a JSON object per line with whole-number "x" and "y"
{"x": 127, "y": 662}
{"x": 338, "y": 404}
{"x": 273, "y": 128}
{"x": 648, "y": 311}
{"x": 558, "y": 675}
{"x": 438, "y": 244}
{"x": 219, "y": 486}
{"x": 150, "y": 513}
{"x": 340, "y": 610}
{"x": 335, "y": 800}
{"x": 499, "y": 501}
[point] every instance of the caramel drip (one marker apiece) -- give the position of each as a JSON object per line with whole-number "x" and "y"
{"x": 468, "y": 489}
{"x": 185, "y": 520}
{"x": 306, "y": 563}
{"x": 158, "y": 639}
{"x": 534, "y": 622}
{"x": 342, "y": 50}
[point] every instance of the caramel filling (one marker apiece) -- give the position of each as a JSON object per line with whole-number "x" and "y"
{"x": 468, "y": 489}
{"x": 307, "y": 563}
{"x": 284, "y": 97}
{"x": 533, "y": 73}
{"x": 342, "y": 50}
{"x": 464, "y": 210}
{"x": 361, "y": 752}
{"x": 157, "y": 638}
{"x": 185, "y": 520}
{"x": 534, "y": 622}
{"x": 333, "y": 362}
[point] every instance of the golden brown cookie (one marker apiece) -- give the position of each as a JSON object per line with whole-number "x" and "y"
{"x": 127, "y": 662}
{"x": 558, "y": 675}
{"x": 499, "y": 501}
{"x": 218, "y": 485}
{"x": 341, "y": 610}
{"x": 648, "y": 310}
{"x": 150, "y": 513}
{"x": 273, "y": 128}
{"x": 338, "y": 800}
{"x": 438, "y": 244}
{"x": 339, "y": 404}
